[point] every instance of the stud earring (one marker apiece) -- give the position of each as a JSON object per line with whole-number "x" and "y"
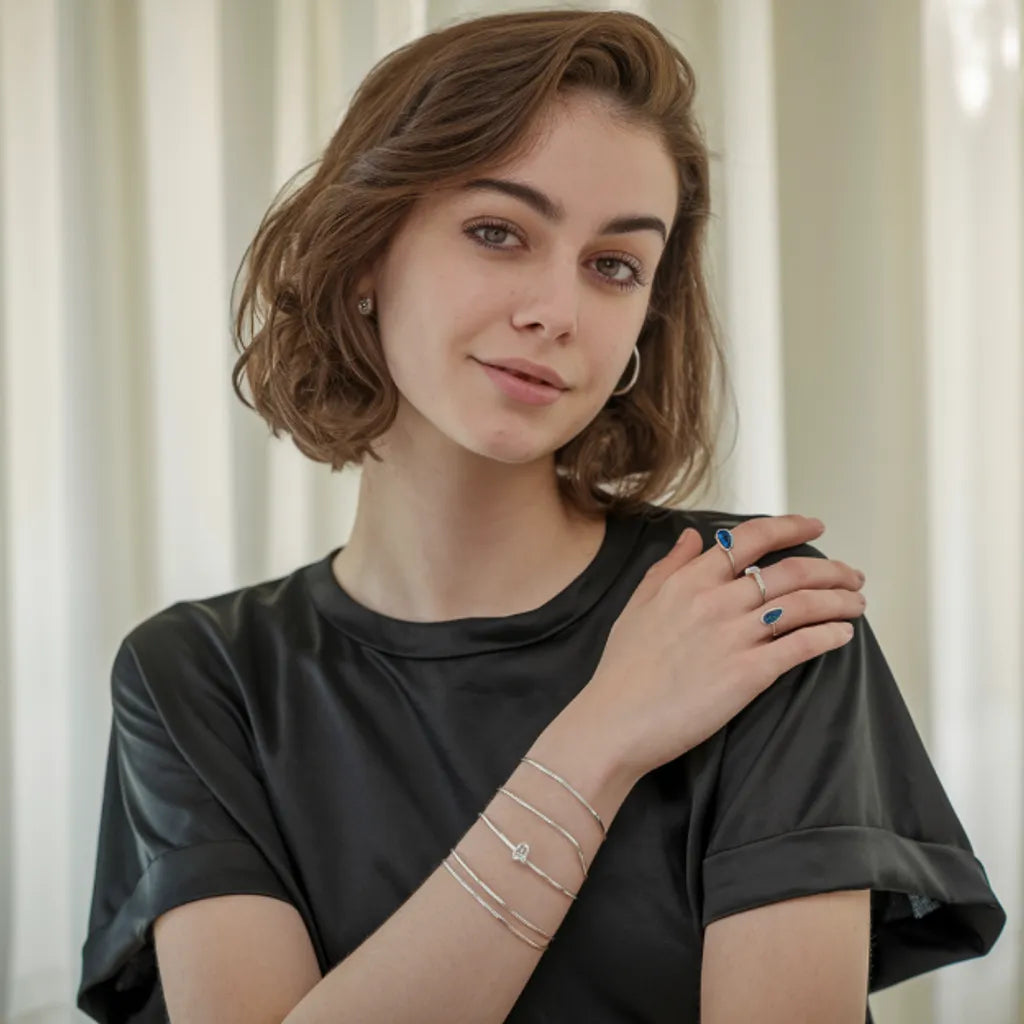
{"x": 366, "y": 305}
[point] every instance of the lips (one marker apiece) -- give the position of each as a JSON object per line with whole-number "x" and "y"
{"x": 516, "y": 387}
{"x": 518, "y": 368}
{"x": 525, "y": 376}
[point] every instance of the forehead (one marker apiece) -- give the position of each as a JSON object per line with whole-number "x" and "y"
{"x": 591, "y": 164}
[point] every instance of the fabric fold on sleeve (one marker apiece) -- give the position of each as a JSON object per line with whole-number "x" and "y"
{"x": 182, "y": 816}
{"x": 931, "y": 904}
{"x": 119, "y": 966}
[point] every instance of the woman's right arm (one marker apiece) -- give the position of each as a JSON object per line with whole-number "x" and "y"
{"x": 440, "y": 956}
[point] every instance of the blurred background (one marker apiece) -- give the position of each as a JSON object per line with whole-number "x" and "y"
{"x": 866, "y": 263}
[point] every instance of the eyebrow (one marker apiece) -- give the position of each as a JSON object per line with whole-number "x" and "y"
{"x": 553, "y": 211}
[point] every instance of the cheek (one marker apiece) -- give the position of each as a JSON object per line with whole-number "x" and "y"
{"x": 422, "y": 360}
{"x": 407, "y": 363}
{"x": 614, "y": 359}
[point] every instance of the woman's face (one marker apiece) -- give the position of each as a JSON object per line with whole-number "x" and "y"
{"x": 478, "y": 275}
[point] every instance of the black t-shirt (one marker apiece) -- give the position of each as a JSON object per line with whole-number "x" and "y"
{"x": 283, "y": 739}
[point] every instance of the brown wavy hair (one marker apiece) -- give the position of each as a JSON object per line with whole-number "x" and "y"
{"x": 439, "y": 111}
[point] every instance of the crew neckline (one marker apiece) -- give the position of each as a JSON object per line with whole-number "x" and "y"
{"x": 477, "y": 634}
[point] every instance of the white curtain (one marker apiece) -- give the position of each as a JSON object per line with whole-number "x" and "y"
{"x": 866, "y": 260}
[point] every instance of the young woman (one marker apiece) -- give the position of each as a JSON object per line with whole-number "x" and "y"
{"x": 535, "y": 744}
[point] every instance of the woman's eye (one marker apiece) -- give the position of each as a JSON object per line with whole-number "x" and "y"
{"x": 631, "y": 272}
{"x": 493, "y": 228}
{"x": 632, "y": 279}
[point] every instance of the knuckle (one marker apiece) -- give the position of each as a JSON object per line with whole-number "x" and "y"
{"x": 795, "y": 575}
{"x": 804, "y": 572}
{"x": 702, "y": 604}
{"x": 805, "y": 643}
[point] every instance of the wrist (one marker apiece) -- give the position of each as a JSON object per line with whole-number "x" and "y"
{"x": 577, "y": 747}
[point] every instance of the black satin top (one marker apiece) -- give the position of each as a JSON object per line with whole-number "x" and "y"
{"x": 283, "y": 739}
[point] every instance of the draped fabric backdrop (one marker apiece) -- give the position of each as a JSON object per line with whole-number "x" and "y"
{"x": 866, "y": 259}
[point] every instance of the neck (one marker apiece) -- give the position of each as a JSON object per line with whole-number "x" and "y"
{"x": 480, "y": 538}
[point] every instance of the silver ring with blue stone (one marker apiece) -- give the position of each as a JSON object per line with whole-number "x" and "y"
{"x": 723, "y": 538}
{"x": 770, "y": 617}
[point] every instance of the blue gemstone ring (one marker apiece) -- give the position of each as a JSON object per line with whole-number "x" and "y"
{"x": 770, "y": 617}
{"x": 723, "y": 538}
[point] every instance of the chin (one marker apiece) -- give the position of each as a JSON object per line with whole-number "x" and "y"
{"x": 513, "y": 454}
{"x": 512, "y": 447}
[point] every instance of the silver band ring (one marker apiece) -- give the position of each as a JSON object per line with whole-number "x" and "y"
{"x": 755, "y": 571}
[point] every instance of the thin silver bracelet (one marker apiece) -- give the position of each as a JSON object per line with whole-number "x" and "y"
{"x": 572, "y": 839}
{"x": 490, "y": 910}
{"x": 558, "y": 778}
{"x": 520, "y": 853}
{"x": 492, "y": 893}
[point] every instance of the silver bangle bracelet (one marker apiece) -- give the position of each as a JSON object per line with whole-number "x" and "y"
{"x": 571, "y": 838}
{"x": 465, "y": 885}
{"x": 521, "y": 852}
{"x": 490, "y": 892}
{"x": 558, "y": 778}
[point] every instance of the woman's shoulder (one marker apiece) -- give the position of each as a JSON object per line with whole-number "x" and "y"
{"x": 710, "y": 519}
{"x": 707, "y": 521}
{"x": 224, "y": 622}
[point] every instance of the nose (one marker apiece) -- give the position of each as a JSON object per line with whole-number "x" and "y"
{"x": 550, "y": 300}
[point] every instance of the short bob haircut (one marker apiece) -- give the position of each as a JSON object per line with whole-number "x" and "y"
{"x": 439, "y": 111}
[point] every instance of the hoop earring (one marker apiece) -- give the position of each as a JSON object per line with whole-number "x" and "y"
{"x": 636, "y": 373}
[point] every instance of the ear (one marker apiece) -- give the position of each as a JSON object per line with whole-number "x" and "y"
{"x": 367, "y": 280}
